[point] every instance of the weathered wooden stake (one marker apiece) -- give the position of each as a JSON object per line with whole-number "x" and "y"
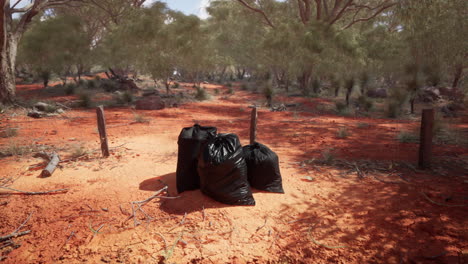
{"x": 425, "y": 144}
{"x": 101, "y": 121}
{"x": 253, "y": 125}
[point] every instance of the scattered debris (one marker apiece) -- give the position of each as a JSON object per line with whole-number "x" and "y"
{"x": 35, "y": 193}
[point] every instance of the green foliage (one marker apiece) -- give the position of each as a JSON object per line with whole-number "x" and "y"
{"x": 78, "y": 151}
{"x": 55, "y": 44}
{"x": 365, "y": 103}
{"x": 363, "y": 125}
{"x": 342, "y": 132}
{"x": 328, "y": 156}
{"x": 109, "y": 85}
{"x": 125, "y": 97}
{"x": 70, "y": 88}
{"x": 92, "y": 84}
{"x": 408, "y": 137}
{"x": 231, "y": 90}
{"x": 268, "y": 92}
{"x": 341, "y": 108}
{"x": 175, "y": 85}
{"x": 139, "y": 118}
{"x": 244, "y": 87}
{"x": 85, "y": 100}
{"x": 9, "y": 132}
{"x": 13, "y": 148}
{"x": 201, "y": 94}
{"x": 395, "y": 102}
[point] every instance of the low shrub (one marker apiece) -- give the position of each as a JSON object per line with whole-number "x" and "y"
{"x": 201, "y": 94}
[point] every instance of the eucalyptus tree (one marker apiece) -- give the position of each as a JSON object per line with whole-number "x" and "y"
{"x": 323, "y": 22}
{"x": 55, "y": 44}
{"x": 11, "y": 32}
{"x": 433, "y": 31}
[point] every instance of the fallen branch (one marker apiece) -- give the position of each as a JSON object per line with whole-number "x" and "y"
{"x": 14, "y": 235}
{"x": 260, "y": 227}
{"x": 3, "y": 203}
{"x": 441, "y": 204}
{"x": 136, "y": 205}
{"x": 35, "y": 193}
{"x": 436, "y": 256}
{"x": 22, "y": 224}
{"x": 384, "y": 181}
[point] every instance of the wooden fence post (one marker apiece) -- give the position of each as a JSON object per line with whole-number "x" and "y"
{"x": 101, "y": 121}
{"x": 253, "y": 125}
{"x": 425, "y": 143}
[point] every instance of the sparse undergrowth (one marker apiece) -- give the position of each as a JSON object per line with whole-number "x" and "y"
{"x": 342, "y": 132}
{"x": 201, "y": 94}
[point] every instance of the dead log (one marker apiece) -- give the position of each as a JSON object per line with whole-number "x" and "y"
{"x": 54, "y": 161}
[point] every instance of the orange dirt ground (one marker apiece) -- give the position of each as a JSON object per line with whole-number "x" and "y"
{"x": 384, "y": 216}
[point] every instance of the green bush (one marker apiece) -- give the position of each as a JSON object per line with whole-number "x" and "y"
{"x": 363, "y": 125}
{"x": 328, "y": 156}
{"x": 175, "y": 85}
{"x": 268, "y": 92}
{"x": 244, "y": 87}
{"x": 70, "y": 88}
{"x": 93, "y": 84}
{"x": 407, "y": 137}
{"x": 365, "y": 103}
{"x": 9, "y": 132}
{"x": 341, "y": 108}
{"x": 342, "y": 132}
{"x": 201, "y": 94}
{"x": 85, "y": 100}
{"x": 230, "y": 90}
{"x": 109, "y": 85}
{"x": 125, "y": 97}
{"x": 393, "y": 109}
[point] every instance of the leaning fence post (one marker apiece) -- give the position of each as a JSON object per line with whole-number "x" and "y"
{"x": 253, "y": 125}
{"x": 101, "y": 121}
{"x": 425, "y": 144}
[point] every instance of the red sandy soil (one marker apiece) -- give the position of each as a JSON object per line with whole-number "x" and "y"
{"x": 337, "y": 217}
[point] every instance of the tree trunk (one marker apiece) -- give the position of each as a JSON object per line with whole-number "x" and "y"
{"x": 8, "y": 49}
{"x": 337, "y": 90}
{"x": 304, "y": 81}
{"x": 457, "y": 76}
{"x": 412, "y": 104}
{"x": 167, "y": 84}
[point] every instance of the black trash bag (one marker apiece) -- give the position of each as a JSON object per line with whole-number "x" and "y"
{"x": 223, "y": 172}
{"x": 263, "y": 168}
{"x": 191, "y": 140}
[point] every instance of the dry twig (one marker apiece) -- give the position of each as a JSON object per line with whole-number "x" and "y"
{"x": 136, "y": 205}
{"x": 441, "y": 204}
{"x": 35, "y": 193}
{"x": 13, "y": 235}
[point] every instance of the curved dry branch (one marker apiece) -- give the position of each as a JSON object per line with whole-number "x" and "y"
{"x": 257, "y": 11}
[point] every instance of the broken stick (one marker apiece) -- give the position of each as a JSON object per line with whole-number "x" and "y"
{"x": 13, "y": 235}
{"x": 35, "y": 193}
{"x": 54, "y": 161}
